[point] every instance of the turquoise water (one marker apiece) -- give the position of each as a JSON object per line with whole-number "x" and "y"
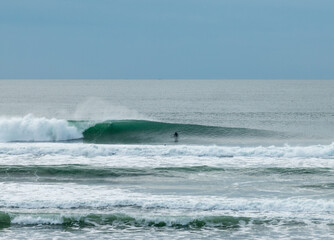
{"x": 152, "y": 132}
{"x": 98, "y": 160}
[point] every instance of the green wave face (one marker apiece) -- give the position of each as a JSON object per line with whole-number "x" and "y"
{"x": 4, "y": 220}
{"x": 140, "y": 131}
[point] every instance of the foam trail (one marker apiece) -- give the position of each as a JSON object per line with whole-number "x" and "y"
{"x": 93, "y": 150}
{"x": 31, "y": 128}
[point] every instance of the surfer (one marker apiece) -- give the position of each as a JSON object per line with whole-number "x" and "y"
{"x": 176, "y": 136}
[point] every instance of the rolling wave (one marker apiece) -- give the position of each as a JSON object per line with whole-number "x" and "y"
{"x": 59, "y": 172}
{"x": 123, "y": 220}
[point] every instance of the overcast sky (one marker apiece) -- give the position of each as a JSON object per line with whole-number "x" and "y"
{"x": 174, "y": 39}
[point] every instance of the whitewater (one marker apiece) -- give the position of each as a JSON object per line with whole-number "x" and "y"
{"x": 254, "y": 159}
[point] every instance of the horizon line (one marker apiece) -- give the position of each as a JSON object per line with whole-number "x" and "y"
{"x": 104, "y": 79}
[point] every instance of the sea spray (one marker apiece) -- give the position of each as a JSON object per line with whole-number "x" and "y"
{"x": 98, "y": 109}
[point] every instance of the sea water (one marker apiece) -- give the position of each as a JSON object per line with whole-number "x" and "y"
{"x": 96, "y": 159}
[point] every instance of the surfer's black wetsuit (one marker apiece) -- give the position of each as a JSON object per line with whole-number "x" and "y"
{"x": 176, "y": 136}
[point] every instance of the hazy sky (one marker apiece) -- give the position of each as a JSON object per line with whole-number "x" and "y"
{"x": 285, "y": 39}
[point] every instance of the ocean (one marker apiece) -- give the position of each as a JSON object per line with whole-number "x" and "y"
{"x": 97, "y": 159}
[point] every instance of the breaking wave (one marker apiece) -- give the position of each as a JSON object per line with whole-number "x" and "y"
{"x": 39, "y": 129}
{"x": 123, "y": 220}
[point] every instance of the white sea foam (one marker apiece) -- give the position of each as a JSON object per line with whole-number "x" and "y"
{"x": 36, "y": 220}
{"x": 35, "y": 196}
{"x": 31, "y": 128}
{"x": 94, "y": 150}
{"x": 144, "y": 156}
